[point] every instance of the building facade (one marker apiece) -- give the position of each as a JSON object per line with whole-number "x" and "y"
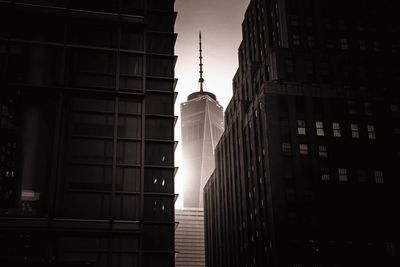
{"x": 306, "y": 170}
{"x": 202, "y": 126}
{"x": 87, "y": 133}
{"x": 189, "y": 238}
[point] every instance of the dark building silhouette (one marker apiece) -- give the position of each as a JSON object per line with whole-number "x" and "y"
{"x": 87, "y": 133}
{"x": 307, "y": 168}
{"x": 202, "y": 125}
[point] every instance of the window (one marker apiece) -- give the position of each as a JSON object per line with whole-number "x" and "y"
{"x": 309, "y": 21}
{"x": 289, "y": 66}
{"x": 301, "y": 127}
{"x": 368, "y": 108}
{"x": 320, "y": 128}
{"x": 325, "y": 174}
{"x": 296, "y": 40}
{"x": 309, "y": 68}
{"x": 363, "y": 45}
{"x": 352, "y": 107}
{"x": 165, "y": 123}
{"x": 378, "y": 175}
{"x": 303, "y": 149}
{"x": 395, "y": 49}
{"x": 310, "y": 41}
{"x": 342, "y": 175}
{"x": 160, "y": 67}
{"x": 377, "y": 46}
{"x": 362, "y": 176}
{"x": 344, "y": 44}
{"x": 371, "y": 132}
{"x": 354, "y": 131}
{"x": 286, "y": 148}
{"x": 394, "y": 108}
{"x": 341, "y": 25}
{"x": 336, "y": 129}
{"x": 322, "y": 151}
{"x": 329, "y": 44}
{"x": 159, "y": 154}
{"x": 360, "y": 26}
{"x": 324, "y": 69}
{"x": 294, "y": 20}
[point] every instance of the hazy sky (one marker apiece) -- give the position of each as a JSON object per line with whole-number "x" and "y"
{"x": 220, "y": 23}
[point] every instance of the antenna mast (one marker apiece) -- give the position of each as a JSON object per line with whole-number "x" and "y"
{"x": 201, "y": 80}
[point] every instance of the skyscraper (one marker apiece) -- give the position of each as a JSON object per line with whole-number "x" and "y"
{"x": 86, "y": 133}
{"x": 306, "y": 170}
{"x": 202, "y": 125}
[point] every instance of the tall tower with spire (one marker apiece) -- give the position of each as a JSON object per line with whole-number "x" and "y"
{"x": 202, "y": 126}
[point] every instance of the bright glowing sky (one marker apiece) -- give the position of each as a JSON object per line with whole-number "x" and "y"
{"x": 220, "y": 23}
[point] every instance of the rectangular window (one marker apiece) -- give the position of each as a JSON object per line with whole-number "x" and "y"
{"x": 301, "y": 127}
{"x": 342, "y": 175}
{"x": 160, "y": 67}
{"x": 330, "y": 44}
{"x": 309, "y": 22}
{"x": 368, "y": 108}
{"x": 336, "y": 129}
{"x": 363, "y": 45}
{"x": 344, "y": 45}
{"x": 296, "y": 40}
{"x": 91, "y": 69}
{"x": 322, "y": 151}
{"x": 371, "y": 132}
{"x": 303, "y": 149}
{"x": 394, "y": 108}
{"x": 378, "y": 175}
{"x": 310, "y": 41}
{"x": 309, "y": 68}
{"x": 341, "y": 25}
{"x": 351, "y": 105}
{"x": 325, "y": 174}
{"x": 320, "y": 128}
{"x": 159, "y": 154}
{"x": 294, "y": 20}
{"x": 289, "y": 66}
{"x": 286, "y": 148}
{"x": 362, "y": 176}
{"x": 354, "y": 131}
{"x": 377, "y": 46}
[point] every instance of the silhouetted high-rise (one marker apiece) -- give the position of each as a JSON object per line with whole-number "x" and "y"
{"x": 87, "y": 133}
{"x": 307, "y": 168}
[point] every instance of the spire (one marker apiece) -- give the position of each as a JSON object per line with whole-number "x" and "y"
{"x": 201, "y": 80}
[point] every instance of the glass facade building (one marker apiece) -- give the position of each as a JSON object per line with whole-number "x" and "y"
{"x": 202, "y": 125}
{"x": 87, "y": 93}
